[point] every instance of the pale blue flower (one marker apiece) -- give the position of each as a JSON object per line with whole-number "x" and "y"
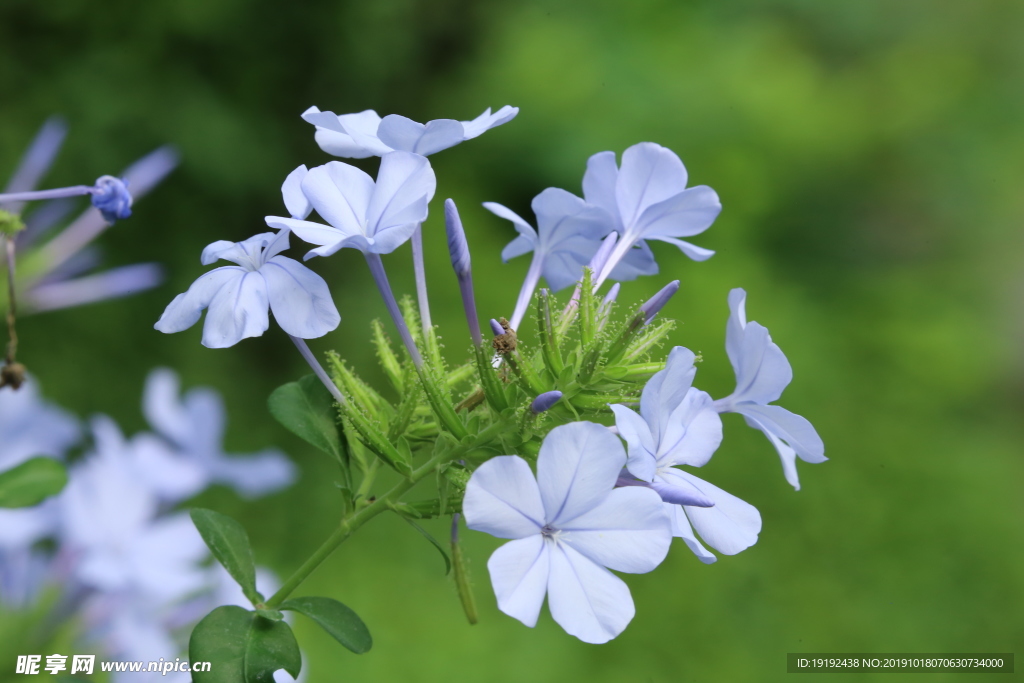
{"x": 569, "y": 527}
{"x": 372, "y": 217}
{"x": 567, "y": 236}
{"x": 678, "y": 425}
{"x": 295, "y": 199}
{"x": 238, "y": 296}
{"x": 647, "y": 199}
{"x": 193, "y": 426}
{"x": 762, "y": 373}
{"x": 30, "y": 426}
{"x": 365, "y": 134}
{"x": 110, "y": 525}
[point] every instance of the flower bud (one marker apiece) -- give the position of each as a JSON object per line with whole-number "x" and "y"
{"x": 112, "y": 198}
{"x": 545, "y": 401}
{"x": 654, "y": 305}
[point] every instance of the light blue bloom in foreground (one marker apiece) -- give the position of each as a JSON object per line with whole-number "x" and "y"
{"x": 365, "y": 134}
{"x": 762, "y": 373}
{"x": 568, "y": 524}
{"x": 238, "y": 296}
{"x": 678, "y": 425}
{"x": 647, "y": 199}
{"x": 373, "y": 217}
{"x": 193, "y": 425}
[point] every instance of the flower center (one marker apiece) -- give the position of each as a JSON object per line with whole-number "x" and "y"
{"x": 551, "y": 533}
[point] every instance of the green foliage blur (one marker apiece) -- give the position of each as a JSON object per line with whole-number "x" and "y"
{"x": 869, "y": 156}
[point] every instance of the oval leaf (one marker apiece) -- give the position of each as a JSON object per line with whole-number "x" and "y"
{"x": 229, "y": 543}
{"x": 306, "y": 409}
{"x": 338, "y": 620}
{"x": 31, "y": 482}
{"x": 242, "y": 647}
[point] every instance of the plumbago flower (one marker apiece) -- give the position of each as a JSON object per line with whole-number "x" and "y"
{"x": 193, "y": 427}
{"x": 568, "y": 235}
{"x": 569, "y": 527}
{"x": 595, "y": 505}
{"x": 365, "y": 134}
{"x": 647, "y": 199}
{"x": 678, "y": 425}
{"x": 238, "y": 296}
{"x": 762, "y": 373}
{"x": 131, "y": 572}
{"x": 110, "y": 524}
{"x": 373, "y": 217}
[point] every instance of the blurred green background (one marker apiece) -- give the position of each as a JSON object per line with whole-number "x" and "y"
{"x": 869, "y": 157}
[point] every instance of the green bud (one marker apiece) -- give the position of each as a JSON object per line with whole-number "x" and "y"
{"x": 10, "y": 223}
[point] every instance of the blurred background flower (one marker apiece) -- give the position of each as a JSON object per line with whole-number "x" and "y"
{"x": 868, "y": 157}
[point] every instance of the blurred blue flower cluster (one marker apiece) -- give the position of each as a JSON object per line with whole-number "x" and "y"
{"x": 114, "y": 546}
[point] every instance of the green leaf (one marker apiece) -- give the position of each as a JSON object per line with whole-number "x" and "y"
{"x": 242, "y": 647}
{"x": 229, "y": 543}
{"x": 339, "y": 621}
{"x": 31, "y": 482}
{"x": 434, "y": 542}
{"x": 271, "y": 614}
{"x": 306, "y": 409}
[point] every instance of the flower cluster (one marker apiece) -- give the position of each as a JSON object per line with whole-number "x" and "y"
{"x": 613, "y": 485}
{"x": 125, "y": 560}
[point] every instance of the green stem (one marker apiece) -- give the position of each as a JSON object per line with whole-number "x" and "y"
{"x": 367, "y": 482}
{"x": 357, "y": 519}
{"x": 345, "y": 529}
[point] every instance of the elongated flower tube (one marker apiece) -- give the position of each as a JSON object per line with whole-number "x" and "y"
{"x": 597, "y": 262}
{"x": 109, "y": 194}
{"x": 238, "y": 296}
{"x": 647, "y": 199}
{"x": 678, "y": 425}
{"x": 365, "y": 134}
{"x": 459, "y": 250}
{"x": 762, "y": 373}
{"x": 569, "y": 526}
